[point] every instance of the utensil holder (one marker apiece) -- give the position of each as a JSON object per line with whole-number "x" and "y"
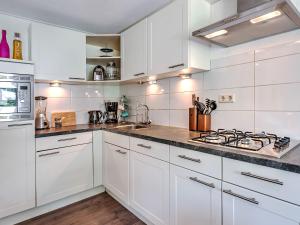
{"x": 193, "y": 119}
{"x": 204, "y": 122}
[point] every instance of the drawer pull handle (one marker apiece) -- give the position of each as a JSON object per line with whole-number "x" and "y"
{"x": 189, "y": 158}
{"x": 138, "y": 74}
{"x": 19, "y": 125}
{"x": 47, "y": 154}
{"x": 76, "y": 78}
{"x": 177, "y": 65}
{"x": 144, "y": 146}
{"x": 274, "y": 181}
{"x": 121, "y": 152}
{"x": 211, "y": 185}
{"x": 252, "y": 200}
{"x": 67, "y": 139}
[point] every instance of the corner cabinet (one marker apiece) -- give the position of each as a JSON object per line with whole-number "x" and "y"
{"x": 195, "y": 198}
{"x": 134, "y": 51}
{"x": 171, "y": 46}
{"x": 58, "y": 53}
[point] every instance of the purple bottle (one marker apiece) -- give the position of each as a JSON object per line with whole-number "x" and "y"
{"x": 4, "y": 47}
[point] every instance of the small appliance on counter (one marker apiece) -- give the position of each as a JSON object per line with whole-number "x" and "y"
{"x": 95, "y": 117}
{"x": 112, "y": 72}
{"x": 41, "y": 121}
{"x": 111, "y": 112}
{"x": 98, "y": 73}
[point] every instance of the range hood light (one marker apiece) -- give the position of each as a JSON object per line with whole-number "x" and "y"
{"x": 266, "y": 17}
{"x": 217, "y": 33}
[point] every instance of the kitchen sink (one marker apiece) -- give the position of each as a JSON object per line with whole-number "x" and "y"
{"x": 132, "y": 126}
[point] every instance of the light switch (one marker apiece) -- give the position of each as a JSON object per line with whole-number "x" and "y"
{"x": 227, "y": 98}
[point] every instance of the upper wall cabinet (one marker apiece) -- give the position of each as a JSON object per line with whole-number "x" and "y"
{"x": 171, "y": 46}
{"x": 58, "y": 54}
{"x": 134, "y": 51}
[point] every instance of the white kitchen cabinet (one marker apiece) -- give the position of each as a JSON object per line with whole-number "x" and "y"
{"x": 17, "y": 167}
{"x": 171, "y": 46}
{"x": 116, "y": 171}
{"x": 58, "y": 53}
{"x": 97, "y": 157}
{"x": 134, "y": 51}
{"x": 149, "y": 187}
{"x": 194, "y": 198}
{"x": 62, "y": 172}
{"x": 245, "y": 207}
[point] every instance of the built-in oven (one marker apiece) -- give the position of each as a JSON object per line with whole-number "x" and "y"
{"x": 16, "y": 97}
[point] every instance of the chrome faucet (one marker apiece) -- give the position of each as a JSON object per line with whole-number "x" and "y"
{"x": 142, "y": 111}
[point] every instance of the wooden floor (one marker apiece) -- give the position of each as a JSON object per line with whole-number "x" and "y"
{"x": 98, "y": 210}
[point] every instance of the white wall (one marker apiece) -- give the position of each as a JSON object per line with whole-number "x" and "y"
{"x": 78, "y": 98}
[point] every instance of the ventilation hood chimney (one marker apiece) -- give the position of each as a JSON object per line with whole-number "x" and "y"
{"x": 254, "y": 19}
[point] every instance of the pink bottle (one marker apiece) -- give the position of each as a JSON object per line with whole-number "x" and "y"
{"x": 4, "y": 47}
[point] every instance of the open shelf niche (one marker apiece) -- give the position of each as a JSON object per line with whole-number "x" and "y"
{"x": 96, "y": 57}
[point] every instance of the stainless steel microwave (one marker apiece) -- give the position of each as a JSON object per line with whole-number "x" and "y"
{"x": 16, "y": 97}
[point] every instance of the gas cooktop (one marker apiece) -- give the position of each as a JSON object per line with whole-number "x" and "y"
{"x": 259, "y": 143}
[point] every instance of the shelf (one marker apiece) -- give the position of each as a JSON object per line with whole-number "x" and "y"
{"x": 107, "y": 40}
{"x": 16, "y": 61}
{"x": 97, "y": 60}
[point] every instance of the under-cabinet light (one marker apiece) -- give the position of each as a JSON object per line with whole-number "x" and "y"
{"x": 152, "y": 82}
{"x": 55, "y": 84}
{"x": 217, "y": 33}
{"x": 266, "y": 17}
{"x": 186, "y": 76}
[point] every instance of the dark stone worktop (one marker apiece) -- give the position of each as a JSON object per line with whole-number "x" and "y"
{"x": 179, "y": 137}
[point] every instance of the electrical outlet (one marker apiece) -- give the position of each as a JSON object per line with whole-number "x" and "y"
{"x": 227, "y": 98}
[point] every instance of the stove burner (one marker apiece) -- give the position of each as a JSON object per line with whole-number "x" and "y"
{"x": 213, "y": 137}
{"x": 245, "y": 141}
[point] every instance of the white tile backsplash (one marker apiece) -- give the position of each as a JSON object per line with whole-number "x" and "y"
{"x": 161, "y": 87}
{"x": 160, "y": 117}
{"x": 233, "y": 60}
{"x": 158, "y": 101}
{"x": 179, "y": 118}
{"x": 181, "y": 100}
{"x": 194, "y": 84}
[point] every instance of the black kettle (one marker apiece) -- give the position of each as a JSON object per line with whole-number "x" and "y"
{"x": 95, "y": 116}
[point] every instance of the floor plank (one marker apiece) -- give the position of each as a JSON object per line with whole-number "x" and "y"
{"x": 97, "y": 210}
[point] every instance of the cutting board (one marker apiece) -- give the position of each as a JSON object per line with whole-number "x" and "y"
{"x": 68, "y": 118}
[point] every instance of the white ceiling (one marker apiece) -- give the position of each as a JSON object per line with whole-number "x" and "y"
{"x": 95, "y": 16}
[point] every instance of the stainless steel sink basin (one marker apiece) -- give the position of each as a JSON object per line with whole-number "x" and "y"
{"x": 132, "y": 126}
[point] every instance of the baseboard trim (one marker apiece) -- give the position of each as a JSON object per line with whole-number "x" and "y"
{"x": 34, "y": 212}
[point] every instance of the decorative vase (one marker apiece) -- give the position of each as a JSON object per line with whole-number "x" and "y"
{"x": 4, "y": 47}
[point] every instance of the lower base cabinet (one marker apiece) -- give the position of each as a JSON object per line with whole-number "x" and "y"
{"x": 62, "y": 172}
{"x": 116, "y": 171}
{"x": 245, "y": 207}
{"x": 195, "y": 198}
{"x": 149, "y": 187}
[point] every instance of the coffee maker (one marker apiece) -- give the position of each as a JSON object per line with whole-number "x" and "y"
{"x": 41, "y": 121}
{"x": 111, "y": 112}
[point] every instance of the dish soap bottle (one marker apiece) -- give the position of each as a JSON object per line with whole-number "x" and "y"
{"x": 4, "y": 47}
{"x": 17, "y": 47}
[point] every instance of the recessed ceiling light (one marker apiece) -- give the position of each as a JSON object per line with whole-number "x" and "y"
{"x": 217, "y": 33}
{"x": 266, "y": 17}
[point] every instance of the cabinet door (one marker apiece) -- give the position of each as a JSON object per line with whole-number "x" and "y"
{"x": 195, "y": 198}
{"x": 134, "y": 51}
{"x": 167, "y": 31}
{"x": 149, "y": 187}
{"x": 116, "y": 171}
{"x": 62, "y": 172}
{"x": 244, "y": 207}
{"x": 58, "y": 54}
{"x": 97, "y": 157}
{"x": 17, "y": 167}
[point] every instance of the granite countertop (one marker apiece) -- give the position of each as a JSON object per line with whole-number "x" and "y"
{"x": 179, "y": 137}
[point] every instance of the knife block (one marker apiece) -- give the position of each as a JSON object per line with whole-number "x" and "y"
{"x": 204, "y": 122}
{"x": 193, "y": 119}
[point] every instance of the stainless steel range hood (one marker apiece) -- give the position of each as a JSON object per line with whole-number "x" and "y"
{"x": 252, "y": 22}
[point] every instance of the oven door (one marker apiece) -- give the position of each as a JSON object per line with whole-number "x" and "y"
{"x": 8, "y": 97}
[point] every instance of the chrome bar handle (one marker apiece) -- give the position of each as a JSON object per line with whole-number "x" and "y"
{"x": 177, "y": 65}
{"x": 189, "y": 158}
{"x": 47, "y": 154}
{"x": 274, "y": 181}
{"x": 211, "y": 185}
{"x": 19, "y": 125}
{"x": 138, "y": 74}
{"x": 252, "y": 200}
{"x": 121, "y": 152}
{"x": 144, "y": 146}
{"x": 76, "y": 78}
{"x": 67, "y": 139}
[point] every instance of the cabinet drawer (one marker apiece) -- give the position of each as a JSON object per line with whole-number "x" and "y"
{"x": 197, "y": 161}
{"x": 60, "y": 141}
{"x": 116, "y": 139}
{"x": 154, "y": 149}
{"x": 277, "y": 183}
